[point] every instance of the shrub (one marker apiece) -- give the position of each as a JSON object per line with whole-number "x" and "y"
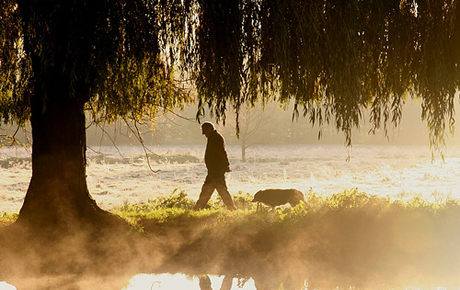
{"x": 178, "y": 199}
{"x": 6, "y": 218}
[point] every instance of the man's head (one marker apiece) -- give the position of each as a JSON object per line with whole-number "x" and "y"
{"x": 207, "y": 128}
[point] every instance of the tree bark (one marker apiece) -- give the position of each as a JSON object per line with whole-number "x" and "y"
{"x": 58, "y": 195}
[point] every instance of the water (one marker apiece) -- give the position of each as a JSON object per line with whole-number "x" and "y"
{"x": 182, "y": 281}
{"x": 6, "y": 286}
{"x": 168, "y": 281}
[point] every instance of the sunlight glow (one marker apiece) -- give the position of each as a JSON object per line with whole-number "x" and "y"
{"x": 180, "y": 281}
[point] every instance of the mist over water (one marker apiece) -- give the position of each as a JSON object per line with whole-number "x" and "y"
{"x": 120, "y": 175}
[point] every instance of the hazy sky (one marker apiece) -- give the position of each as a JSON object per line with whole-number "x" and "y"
{"x": 277, "y": 127}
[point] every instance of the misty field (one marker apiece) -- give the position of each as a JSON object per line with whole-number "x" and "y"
{"x": 387, "y": 219}
{"x": 121, "y": 175}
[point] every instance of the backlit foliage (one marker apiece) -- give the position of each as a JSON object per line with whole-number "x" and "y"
{"x": 333, "y": 59}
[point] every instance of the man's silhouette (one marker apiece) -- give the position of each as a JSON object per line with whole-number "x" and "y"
{"x": 217, "y": 164}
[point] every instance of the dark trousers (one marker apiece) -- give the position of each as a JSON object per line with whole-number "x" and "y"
{"x": 211, "y": 183}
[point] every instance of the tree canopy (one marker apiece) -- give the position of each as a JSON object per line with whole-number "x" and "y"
{"x": 333, "y": 58}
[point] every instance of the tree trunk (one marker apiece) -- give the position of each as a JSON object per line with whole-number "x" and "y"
{"x": 58, "y": 195}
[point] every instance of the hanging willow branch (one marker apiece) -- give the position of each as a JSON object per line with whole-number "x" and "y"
{"x": 334, "y": 59}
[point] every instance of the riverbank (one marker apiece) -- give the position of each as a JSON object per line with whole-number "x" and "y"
{"x": 351, "y": 239}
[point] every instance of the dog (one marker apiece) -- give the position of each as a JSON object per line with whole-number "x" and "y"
{"x": 277, "y": 197}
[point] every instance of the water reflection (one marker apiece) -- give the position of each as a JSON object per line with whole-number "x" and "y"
{"x": 6, "y": 286}
{"x": 168, "y": 281}
{"x": 182, "y": 281}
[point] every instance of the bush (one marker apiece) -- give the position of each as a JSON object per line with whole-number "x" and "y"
{"x": 178, "y": 199}
{"x": 6, "y": 218}
{"x": 15, "y": 161}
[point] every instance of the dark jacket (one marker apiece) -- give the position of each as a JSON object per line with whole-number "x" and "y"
{"x": 215, "y": 156}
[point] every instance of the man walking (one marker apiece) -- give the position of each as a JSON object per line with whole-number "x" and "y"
{"x": 217, "y": 164}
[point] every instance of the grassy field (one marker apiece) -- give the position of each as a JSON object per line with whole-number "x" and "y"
{"x": 350, "y": 239}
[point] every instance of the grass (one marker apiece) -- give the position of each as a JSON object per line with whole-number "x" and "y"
{"x": 178, "y": 206}
{"x": 6, "y": 218}
{"x": 349, "y": 239}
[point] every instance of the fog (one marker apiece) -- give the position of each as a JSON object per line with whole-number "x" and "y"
{"x": 397, "y": 171}
{"x": 270, "y": 126}
{"x": 401, "y": 161}
{"x": 279, "y": 154}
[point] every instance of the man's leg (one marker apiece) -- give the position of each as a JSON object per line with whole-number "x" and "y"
{"x": 226, "y": 197}
{"x": 205, "y": 195}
